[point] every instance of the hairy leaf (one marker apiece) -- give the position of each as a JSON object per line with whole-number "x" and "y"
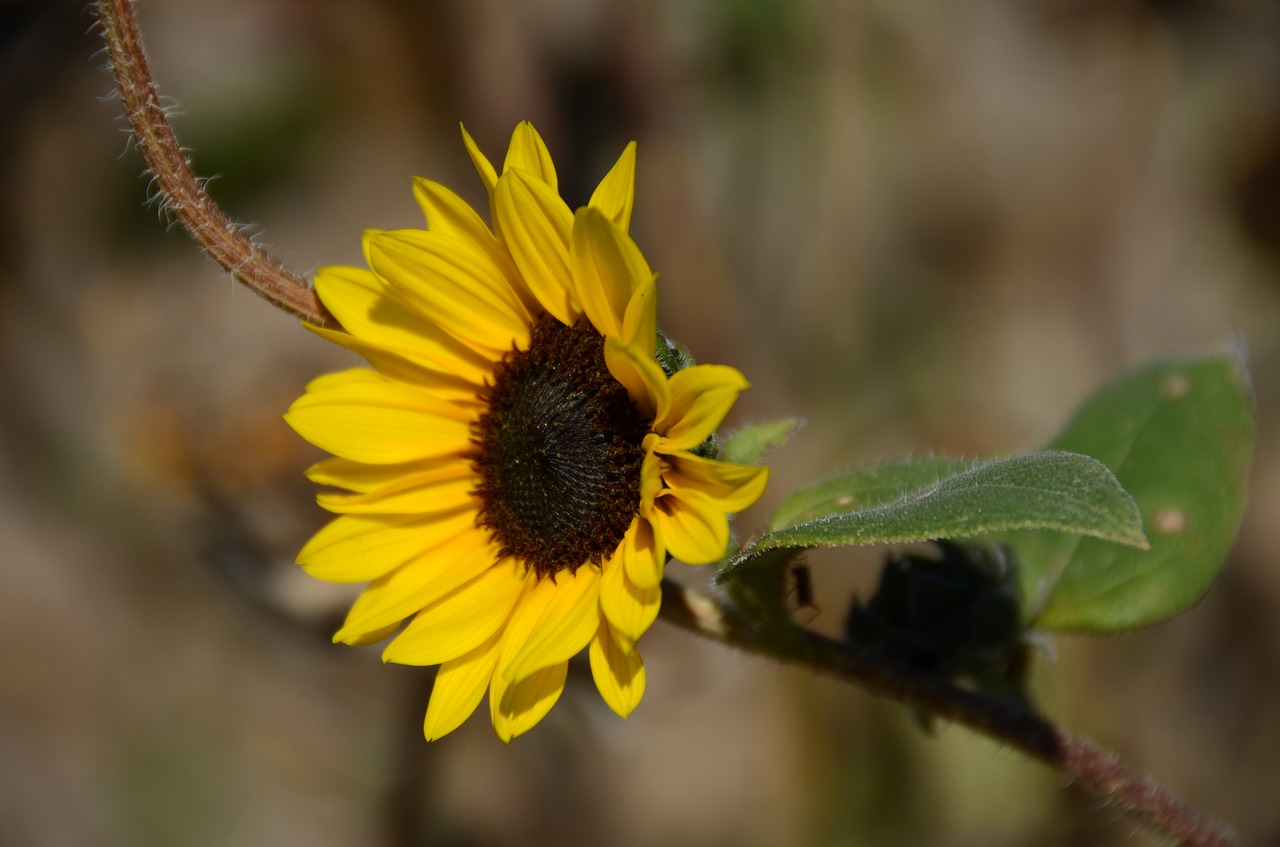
{"x": 916, "y": 500}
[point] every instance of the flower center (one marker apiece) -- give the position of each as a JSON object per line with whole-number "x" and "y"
{"x": 558, "y": 452}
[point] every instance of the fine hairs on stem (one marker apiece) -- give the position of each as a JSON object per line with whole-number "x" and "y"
{"x": 180, "y": 192}
{"x": 1089, "y": 767}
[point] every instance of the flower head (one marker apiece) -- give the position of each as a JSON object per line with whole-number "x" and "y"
{"x": 517, "y": 466}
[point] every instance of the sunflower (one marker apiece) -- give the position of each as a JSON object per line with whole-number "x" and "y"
{"x": 517, "y": 466}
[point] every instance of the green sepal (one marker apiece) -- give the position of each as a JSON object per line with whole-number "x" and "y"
{"x": 748, "y": 444}
{"x": 672, "y": 355}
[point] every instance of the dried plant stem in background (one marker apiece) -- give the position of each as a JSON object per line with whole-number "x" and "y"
{"x": 181, "y": 193}
{"x": 1089, "y": 767}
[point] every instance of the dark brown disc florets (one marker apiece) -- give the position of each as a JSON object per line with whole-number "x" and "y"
{"x": 558, "y": 452}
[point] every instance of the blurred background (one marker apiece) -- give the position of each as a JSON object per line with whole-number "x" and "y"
{"x": 925, "y": 227}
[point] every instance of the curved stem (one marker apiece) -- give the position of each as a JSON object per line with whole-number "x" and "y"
{"x": 183, "y": 194}
{"x": 1093, "y": 769}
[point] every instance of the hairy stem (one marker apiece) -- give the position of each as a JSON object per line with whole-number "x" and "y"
{"x": 183, "y": 195}
{"x": 1093, "y": 769}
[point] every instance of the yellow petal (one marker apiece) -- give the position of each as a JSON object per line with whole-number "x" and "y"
{"x": 361, "y": 383}
{"x": 552, "y": 624}
{"x": 463, "y": 619}
{"x": 640, "y": 323}
{"x": 461, "y": 289}
{"x": 460, "y": 684}
{"x": 443, "y": 489}
{"x": 693, "y": 528}
{"x": 644, "y": 558}
{"x": 618, "y": 670}
{"x": 358, "y": 548}
{"x": 418, "y": 583}
{"x": 628, "y": 607}
{"x": 701, "y": 397}
{"x": 536, "y": 225}
{"x": 405, "y": 365}
{"x": 517, "y": 707}
{"x": 374, "y": 312}
{"x": 732, "y": 487}
{"x": 527, "y": 152}
{"x": 651, "y": 468}
{"x": 616, "y": 193}
{"x": 637, "y": 372}
{"x": 363, "y": 416}
{"x": 607, "y": 268}
{"x": 357, "y": 476}
{"x": 488, "y": 175}
{"x": 373, "y": 636}
{"x": 449, "y": 214}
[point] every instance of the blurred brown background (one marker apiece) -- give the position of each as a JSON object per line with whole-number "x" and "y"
{"x": 926, "y": 227}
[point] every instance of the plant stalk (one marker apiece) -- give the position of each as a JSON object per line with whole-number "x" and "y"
{"x": 182, "y": 194}
{"x": 1091, "y": 768}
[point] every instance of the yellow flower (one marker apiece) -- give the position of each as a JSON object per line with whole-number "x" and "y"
{"x": 517, "y": 466}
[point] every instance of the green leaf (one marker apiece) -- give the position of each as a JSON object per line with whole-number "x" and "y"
{"x": 865, "y": 488}
{"x": 1179, "y": 436}
{"x": 751, "y": 443}
{"x": 920, "y": 499}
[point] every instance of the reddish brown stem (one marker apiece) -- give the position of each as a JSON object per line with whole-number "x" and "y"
{"x": 1091, "y": 768}
{"x": 182, "y": 193}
